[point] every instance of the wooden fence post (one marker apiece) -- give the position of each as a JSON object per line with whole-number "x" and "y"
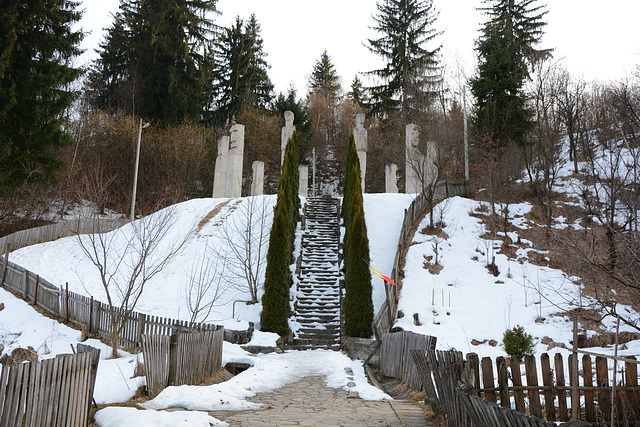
{"x": 141, "y": 322}
{"x": 503, "y": 385}
{"x": 516, "y": 379}
{"x": 532, "y": 380}
{"x": 562, "y": 395}
{"x": 473, "y": 365}
{"x": 487, "y": 379}
{"x": 173, "y": 358}
{"x": 575, "y": 402}
{"x": 589, "y": 408}
{"x": 66, "y": 291}
{"x": 6, "y": 262}
{"x": 602, "y": 378}
{"x": 91, "y": 315}
{"x": 547, "y": 380}
{"x": 35, "y": 292}
{"x": 26, "y": 284}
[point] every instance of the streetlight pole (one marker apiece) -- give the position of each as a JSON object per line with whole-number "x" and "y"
{"x": 466, "y": 138}
{"x": 135, "y": 173}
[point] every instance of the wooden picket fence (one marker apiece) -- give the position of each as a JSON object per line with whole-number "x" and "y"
{"x": 181, "y": 358}
{"x": 395, "y": 360}
{"x": 512, "y": 384}
{"x": 87, "y": 312}
{"x": 443, "y": 189}
{"x": 51, "y": 232}
{"x": 53, "y": 392}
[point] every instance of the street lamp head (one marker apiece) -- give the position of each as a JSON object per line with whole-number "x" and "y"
{"x": 146, "y": 125}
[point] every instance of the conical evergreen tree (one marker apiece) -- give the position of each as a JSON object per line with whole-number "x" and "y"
{"x": 164, "y": 45}
{"x": 324, "y": 80}
{"x": 504, "y": 49}
{"x": 358, "y": 305}
{"x": 37, "y": 48}
{"x": 241, "y": 79}
{"x": 411, "y": 69}
{"x": 275, "y": 301}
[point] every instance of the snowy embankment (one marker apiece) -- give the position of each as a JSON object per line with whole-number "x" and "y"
{"x": 460, "y": 303}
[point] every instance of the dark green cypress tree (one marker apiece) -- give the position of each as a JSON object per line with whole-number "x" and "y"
{"x": 358, "y": 304}
{"x": 275, "y": 301}
{"x": 37, "y": 48}
{"x": 505, "y": 48}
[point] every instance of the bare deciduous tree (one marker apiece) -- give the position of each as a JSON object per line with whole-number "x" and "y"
{"x": 245, "y": 237}
{"x": 204, "y": 287}
{"x": 128, "y": 258}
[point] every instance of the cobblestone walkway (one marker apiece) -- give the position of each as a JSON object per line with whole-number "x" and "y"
{"x": 309, "y": 402}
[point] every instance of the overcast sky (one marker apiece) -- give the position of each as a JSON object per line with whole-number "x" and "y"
{"x": 597, "y": 40}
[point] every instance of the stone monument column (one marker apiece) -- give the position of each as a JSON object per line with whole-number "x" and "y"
{"x": 303, "y": 171}
{"x": 220, "y": 176}
{"x": 257, "y": 185}
{"x": 287, "y": 132}
{"x": 390, "y": 178}
{"x": 430, "y": 161}
{"x": 360, "y": 138}
{"x": 413, "y": 159}
{"x": 234, "y": 164}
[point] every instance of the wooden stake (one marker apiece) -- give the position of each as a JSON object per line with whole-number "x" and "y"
{"x": 35, "y": 292}
{"x": 575, "y": 402}
{"x": 615, "y": 368}
{"x": 67, "y": 302}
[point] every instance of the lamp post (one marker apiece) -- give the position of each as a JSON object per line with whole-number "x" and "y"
{"x": 135, "y": 173}
{"x": 466, "y": 137}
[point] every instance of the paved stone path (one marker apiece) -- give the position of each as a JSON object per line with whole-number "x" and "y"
{"x": 309, "y": 402}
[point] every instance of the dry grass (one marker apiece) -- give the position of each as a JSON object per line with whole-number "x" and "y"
{"x": 211, "y": 214}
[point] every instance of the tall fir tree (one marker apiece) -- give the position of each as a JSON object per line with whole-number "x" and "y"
{"x": 241, "y": 78}
{"x": 155, "y": 61}
{"x": 505, "y": 48}
{"x": 358, "y": 93}
{"x": 405, "y": 83}
{"x": 37, "y": 48}
{"x": 324, "y": 80}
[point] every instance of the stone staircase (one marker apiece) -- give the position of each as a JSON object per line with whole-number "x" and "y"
{"x": 317, "y": 306}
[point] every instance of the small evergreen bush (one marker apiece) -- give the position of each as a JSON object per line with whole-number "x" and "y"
{"x": 516, "y": 342}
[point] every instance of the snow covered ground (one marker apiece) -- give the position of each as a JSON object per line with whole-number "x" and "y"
{"x": 461, "y": 303}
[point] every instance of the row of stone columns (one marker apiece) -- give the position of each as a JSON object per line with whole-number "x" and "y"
{"x": 420, "y": 169}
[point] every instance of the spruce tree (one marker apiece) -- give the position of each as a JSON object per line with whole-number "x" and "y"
{"x": 37, "y": 48}
{"x": 164, "y": 46}
{"x": 324, "y": 80}
{"x": 241, "y": 79}
{"x": 411, "y": 69}
{"x": 505, "y": 49}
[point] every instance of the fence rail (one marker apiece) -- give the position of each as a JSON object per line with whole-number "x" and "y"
{"x": 53, "y": 392}
{"x": 87, "y": 312}
{"x": 383, "y": 321}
